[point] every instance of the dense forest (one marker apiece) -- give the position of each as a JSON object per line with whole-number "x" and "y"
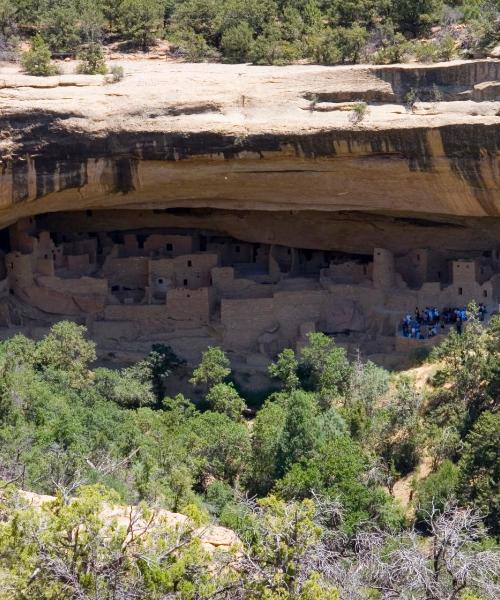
{"x": 305, "y": 476}
{"x": 259, "y": 31}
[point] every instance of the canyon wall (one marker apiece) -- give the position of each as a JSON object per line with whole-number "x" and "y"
{"x": 278, "y": 140}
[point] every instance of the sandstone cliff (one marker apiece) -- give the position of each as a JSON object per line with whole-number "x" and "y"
{"x": 247, "y": 138}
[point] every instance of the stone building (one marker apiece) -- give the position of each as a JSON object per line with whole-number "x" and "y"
{"x": 253, "y": 299}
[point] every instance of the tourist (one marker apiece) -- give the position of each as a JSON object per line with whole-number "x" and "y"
{"x": 405, "y": 328}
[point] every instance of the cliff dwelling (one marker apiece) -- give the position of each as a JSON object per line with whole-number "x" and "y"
{"x": 251, "y": 215}
{"x": 139, "y": 277}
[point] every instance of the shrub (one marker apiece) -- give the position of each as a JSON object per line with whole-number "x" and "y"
{"x": 411, "y": 98}
{"x": 192, "y": 46}
{"x": 434, "y": 492}
{"x": 358, "y": 113}
{"x": 37, "y": 60}
{"x": 446, "y": 49}
{"x": 92, "y": 60}
{"x": 271, "y": 49}
{"x": 116, "y": 74}
{"x": 343, "y": 44}
{"x": 425, "y": 52}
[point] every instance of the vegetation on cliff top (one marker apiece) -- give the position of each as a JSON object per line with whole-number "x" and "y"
{"x": 308, "y": 484}
{"x": 261, "y": 31}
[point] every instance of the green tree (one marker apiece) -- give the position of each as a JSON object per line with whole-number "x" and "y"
{"x": 347, "y": 12}
{"x": 324, "y": 367}
{"x": 299, "y": 437}
{"x": 467, "y": 365}
{"x": 270, "y": 47}
{"x": 36, "y": 61}
{"x": 141, "y": 21}
{"x": 285, "y": 369}
{"x": 479, "y": 479}
{"x": 128, "y": 387}
{"x": 401, "y": 439}
{"x": 266, "y": 435}
{"x": 111, "y": 11}
{"x": 223, "y": 398}
{"x": 416, "y": 16}
{"x": 61, "y": 28}
{"x": 350, "y": 41}
{"x": 160, "y": 363}
{"x": 92, "y": 60}
{"x": 222, "y": 445}
{"x": 214, "y": 368}
{"x": 236, "y": 42}
{"x": 66, "y": 349}
{"x": 8, "y": 29}
{"x": 338, "y": 470}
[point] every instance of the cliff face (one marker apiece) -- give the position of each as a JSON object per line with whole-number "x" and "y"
{"x": 262, "y": 139}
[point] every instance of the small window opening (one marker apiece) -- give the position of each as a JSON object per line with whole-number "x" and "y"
{"x": 160, "y": 281}
{"x": 190, "y": 264}
{"x": 485, "y": 293}
{"x": 185, "y": 282}
{"x": 169, "y": 247}
{"x": 460, "y": 291}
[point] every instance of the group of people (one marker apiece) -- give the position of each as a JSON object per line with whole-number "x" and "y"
{"x": 430, "y": 321}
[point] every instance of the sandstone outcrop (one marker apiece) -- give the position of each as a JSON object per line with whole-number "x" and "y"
{"x": 130, "y": 518}
{"x": 253, "y": 138}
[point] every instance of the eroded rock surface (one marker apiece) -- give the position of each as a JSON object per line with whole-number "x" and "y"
{"x": 244, "y": 137}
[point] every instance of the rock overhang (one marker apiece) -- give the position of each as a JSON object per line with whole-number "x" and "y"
{"x": 253, "y": 139}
